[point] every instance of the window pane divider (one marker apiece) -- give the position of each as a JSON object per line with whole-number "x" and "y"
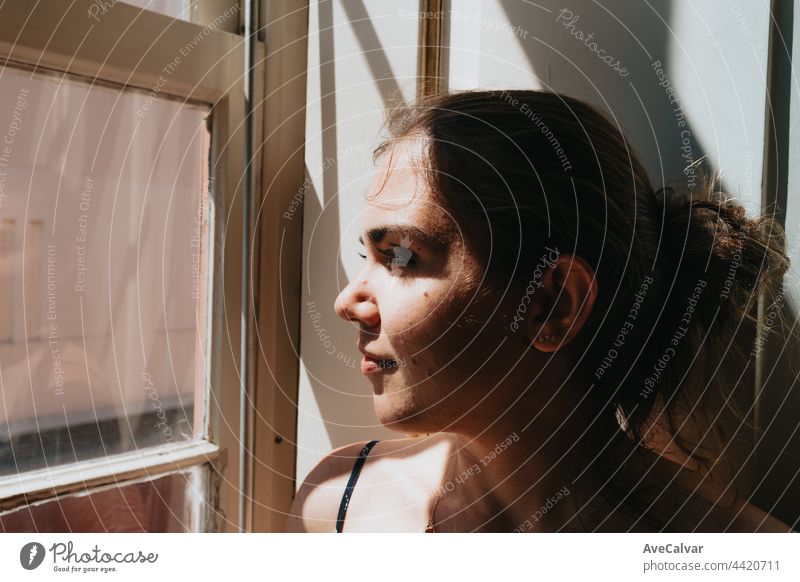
{"x": 26, "y": 487}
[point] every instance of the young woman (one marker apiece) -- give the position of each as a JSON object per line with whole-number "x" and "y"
{"x": 560, "y": 343}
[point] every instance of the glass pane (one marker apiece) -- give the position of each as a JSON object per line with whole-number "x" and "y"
{"x": 180, "y": 9}
{"x": 104, "y": 217}
{"x": 215, "y": 14}
{"x": 171, "y": 503}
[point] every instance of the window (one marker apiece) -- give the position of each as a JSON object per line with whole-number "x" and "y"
{"x": 121, "y": 164}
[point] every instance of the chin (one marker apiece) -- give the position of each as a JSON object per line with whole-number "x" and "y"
{"x": 400, "y": 413}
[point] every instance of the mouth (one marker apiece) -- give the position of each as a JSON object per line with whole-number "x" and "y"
{"x": 370, "y": 365}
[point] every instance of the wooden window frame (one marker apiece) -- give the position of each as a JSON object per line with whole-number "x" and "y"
{"x": 277, "y": 267}
{"x": 53, "y": 38}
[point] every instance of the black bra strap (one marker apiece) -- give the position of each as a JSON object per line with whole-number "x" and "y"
{"x": 362, "y": 456}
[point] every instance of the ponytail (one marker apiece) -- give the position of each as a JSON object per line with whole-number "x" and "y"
{"x": 713, "y": 264}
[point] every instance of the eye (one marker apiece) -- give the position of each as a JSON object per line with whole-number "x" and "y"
{"x": 399, "y": 258}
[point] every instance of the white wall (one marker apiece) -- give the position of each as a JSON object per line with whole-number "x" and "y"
{"x": 714, "y": 53}
{"x": 361, "y": 55}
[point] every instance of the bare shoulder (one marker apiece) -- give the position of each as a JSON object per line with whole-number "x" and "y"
{"x": 713, "y": 507}
{"x": 750, "y": 518}
{"x": 317, "y": 501}
{"x": 681, "y": 499}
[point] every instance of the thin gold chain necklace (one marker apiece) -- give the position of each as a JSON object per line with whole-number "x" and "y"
{"x": 431, "y": 527}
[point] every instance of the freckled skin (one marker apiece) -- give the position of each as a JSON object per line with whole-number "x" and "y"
{"x": 424, "y": 315}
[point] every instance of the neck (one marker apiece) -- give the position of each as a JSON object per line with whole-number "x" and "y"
{"x": 523, "y": 476}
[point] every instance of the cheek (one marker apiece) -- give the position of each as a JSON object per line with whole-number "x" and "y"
{"x": 426, "y": 324}
{"x": 405, "y": 311}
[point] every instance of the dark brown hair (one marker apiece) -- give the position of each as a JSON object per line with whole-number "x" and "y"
{"x": 679, "y": 269}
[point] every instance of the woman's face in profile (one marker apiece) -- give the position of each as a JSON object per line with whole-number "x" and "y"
{"x": 416, "y": 305}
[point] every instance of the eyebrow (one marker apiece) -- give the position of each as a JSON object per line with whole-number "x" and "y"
{"x": 377, "y": 234}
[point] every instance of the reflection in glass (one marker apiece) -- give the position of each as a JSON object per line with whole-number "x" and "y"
{"x": 171, "y": 503}
{"x": 104, "y": 222}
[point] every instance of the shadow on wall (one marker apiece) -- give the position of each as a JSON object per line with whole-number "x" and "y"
{"x": 637, "y": 102}
{"x": 333, "y": 365}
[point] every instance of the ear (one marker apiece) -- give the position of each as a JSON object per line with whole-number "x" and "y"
{"x": 561, "y": 304}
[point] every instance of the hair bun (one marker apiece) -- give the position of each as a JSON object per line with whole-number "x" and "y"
{"x": 707, "y": 236}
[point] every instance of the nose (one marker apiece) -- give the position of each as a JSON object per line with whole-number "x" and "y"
{"x": 356, "y": 303}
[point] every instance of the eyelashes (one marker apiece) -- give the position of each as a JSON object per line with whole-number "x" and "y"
{"x": 404, "y": 259}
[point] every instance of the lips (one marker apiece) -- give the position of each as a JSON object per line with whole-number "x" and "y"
{"x": 372, "y": 363}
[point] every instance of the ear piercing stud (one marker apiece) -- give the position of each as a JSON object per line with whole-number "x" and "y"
{"x": 547, "y": 338}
